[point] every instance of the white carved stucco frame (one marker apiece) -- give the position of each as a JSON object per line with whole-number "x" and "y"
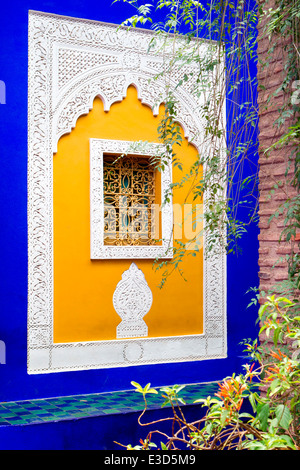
{"x": 99, "y": 250}
{"x": 71, "y": 61}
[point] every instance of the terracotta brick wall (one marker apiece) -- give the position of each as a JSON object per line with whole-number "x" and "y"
{"x": 273, "y": 167}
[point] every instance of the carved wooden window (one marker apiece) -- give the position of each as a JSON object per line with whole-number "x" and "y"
{"x": 129, "y": 200}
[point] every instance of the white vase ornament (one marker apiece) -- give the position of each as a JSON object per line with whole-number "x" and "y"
{"x": 132, "y": 300}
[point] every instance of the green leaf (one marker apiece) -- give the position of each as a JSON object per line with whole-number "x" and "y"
{"x": 263, "y": 415}
{"x": 289, "y": 441}
{"x": 252, "y": 401}
{"x": 262, "y": 310}
{"x": 137, "y": 386}
{"x": 224, "y": 416}
{"x": 274, "y": 384}
{"x": 148, "y": 389}
{"x": 283, "y": 415}
{"x": 246, "y": 415}
{"x": 276, "y": 336}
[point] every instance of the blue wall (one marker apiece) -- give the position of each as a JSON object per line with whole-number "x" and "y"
{"x": 15, "y": 383}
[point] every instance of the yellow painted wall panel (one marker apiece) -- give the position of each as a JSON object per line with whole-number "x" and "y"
{"x": 83, "y": 288}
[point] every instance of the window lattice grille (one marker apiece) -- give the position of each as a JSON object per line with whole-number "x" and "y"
{"x": 129, "y": 196}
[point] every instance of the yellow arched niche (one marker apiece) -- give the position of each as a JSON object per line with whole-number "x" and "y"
{"x": 83, "y": 288}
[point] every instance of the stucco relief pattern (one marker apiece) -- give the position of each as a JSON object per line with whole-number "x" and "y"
{"x": 107, "y": 61}
{"x": 132, "y": 300}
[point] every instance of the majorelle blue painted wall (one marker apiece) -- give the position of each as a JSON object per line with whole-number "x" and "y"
{"x": 16, "y": 383}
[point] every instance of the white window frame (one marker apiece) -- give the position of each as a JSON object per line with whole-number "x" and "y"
{"x": 99, "y": 147}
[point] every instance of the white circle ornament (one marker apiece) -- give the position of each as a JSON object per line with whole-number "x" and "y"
{"x": 133, "y": 352}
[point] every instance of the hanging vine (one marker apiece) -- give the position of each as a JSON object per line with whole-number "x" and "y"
{"x": 274, "y": 423}
{"x": 226, "y": 170}
{"x": 282, "y": 28}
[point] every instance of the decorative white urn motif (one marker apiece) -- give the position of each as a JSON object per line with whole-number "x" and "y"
{"x": 71, "y": 61}
{"x": 132, "y": 300}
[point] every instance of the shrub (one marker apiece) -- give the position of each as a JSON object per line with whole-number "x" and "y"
{"x": 270, "y": 385}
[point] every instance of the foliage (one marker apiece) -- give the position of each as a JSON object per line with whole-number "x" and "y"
{"x": 282, "y": 28}
{"x": 224, "y": 175}
{"x": 271, "y": 385}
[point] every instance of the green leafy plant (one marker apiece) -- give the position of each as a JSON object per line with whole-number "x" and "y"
{"x": 222, "y": 75}
{"x": 270, "y": 386}
{"x": 219, "y": 172}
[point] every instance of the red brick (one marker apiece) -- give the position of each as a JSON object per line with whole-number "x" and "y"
{"x": 272, "y": 161}
{"x": 281, "y": 275}
{"x": 268, "y": 211}
{"x": 283, "y": 250}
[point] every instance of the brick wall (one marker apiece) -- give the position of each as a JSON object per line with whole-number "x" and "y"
{"x": 272, "y": 167}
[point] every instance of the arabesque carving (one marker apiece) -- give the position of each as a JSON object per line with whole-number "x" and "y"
{"x": 71, "y": 61}
{"x": 132, "y": 300}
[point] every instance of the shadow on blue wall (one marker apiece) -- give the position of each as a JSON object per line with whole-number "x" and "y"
{"x": 2, "y": 92}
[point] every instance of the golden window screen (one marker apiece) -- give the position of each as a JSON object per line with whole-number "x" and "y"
{"x": 129, "y": 198}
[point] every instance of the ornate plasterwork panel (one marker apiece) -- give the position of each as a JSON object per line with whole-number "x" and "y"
{"x": 132, "y": 300}
{"x": 98, "y": 248}
{"x": 71, "y": 61}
